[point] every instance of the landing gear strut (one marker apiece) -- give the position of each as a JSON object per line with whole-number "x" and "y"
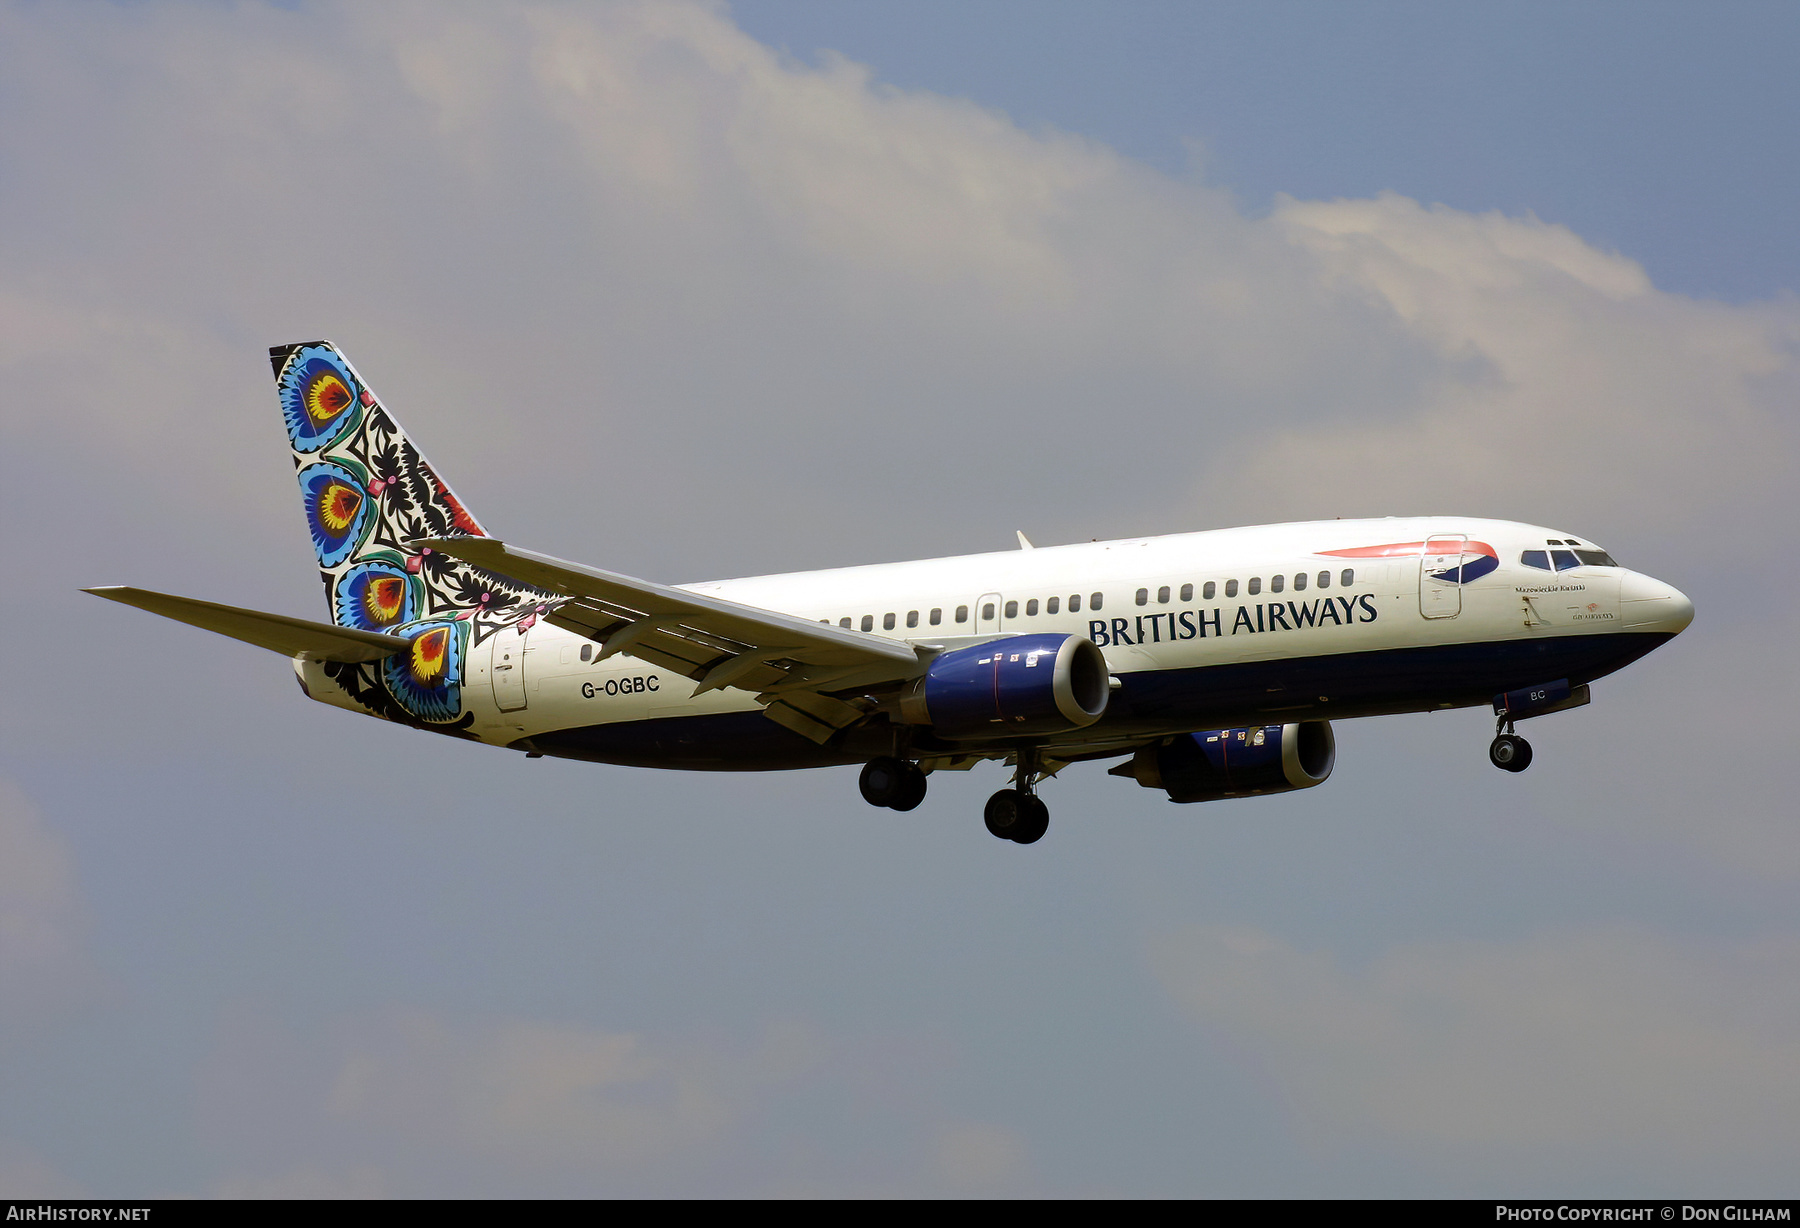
{"x": 1017, "y": 814}
{"x": 895, "y": 783}
{"x": 1508, "y": 751}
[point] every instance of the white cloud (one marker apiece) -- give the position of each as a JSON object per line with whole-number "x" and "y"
{"x": 973, "y": 1156}
{"x": 1570, "y": 389}
{"x": 360, "y": 1181}
{"x": 637, "y": 232}
{"x": 406, "y": 1102}
{"x": 44, "y": 966}
{"x": 538, "y": 1095}
{"x": 1588, "y": 1045}
{"x": 25, "y": 1174}
{"x": 515, "y": 1096}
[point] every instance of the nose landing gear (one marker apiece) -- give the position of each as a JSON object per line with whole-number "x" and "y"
{"x": 897, "y": 784}
{"x": 1018, "y": 814}
{"x": 1508, "y": 751}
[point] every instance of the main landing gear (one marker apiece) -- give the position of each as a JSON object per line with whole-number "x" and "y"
{"x": 1018, "y": 814}
{"x": 1014, "y": 814}
{"x": 895, "y": 783}
{"x": 1508, "y": 751}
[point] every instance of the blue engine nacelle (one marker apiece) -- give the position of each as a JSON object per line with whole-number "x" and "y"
{"x": 1221, "y": 763}
{"x": 1014, "y": 687}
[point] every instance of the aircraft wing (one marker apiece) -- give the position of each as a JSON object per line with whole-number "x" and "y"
{"x": 291, "y": 637}
{"x": 790, "y": 663}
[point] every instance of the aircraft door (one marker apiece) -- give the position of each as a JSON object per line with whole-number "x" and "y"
{"x": 987, "y": 614}
{"x": 508, "y": 669}
{"x": 1440, "y": 576}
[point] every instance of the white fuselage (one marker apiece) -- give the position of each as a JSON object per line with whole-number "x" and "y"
{"x": 1227, "y": 625}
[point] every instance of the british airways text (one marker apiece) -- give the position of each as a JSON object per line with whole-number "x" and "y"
{"x": 1250, "y": 620}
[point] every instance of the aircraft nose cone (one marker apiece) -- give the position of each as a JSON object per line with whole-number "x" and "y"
{"x": 1647, "y": 604}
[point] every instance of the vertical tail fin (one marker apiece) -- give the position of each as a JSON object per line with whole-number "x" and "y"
{"x": 368, "y": 493}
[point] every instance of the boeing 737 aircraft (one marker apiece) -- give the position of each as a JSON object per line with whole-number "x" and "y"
{"x": 1209, "y": 664}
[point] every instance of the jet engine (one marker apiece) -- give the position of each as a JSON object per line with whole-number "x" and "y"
{"x": 1221, "y": 763}
{"x": 1018, "y": 686}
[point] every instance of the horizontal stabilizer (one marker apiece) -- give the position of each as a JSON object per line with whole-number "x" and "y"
{"x": 291, "y": 637}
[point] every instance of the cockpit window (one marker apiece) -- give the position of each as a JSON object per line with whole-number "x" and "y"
{"x": 1565, "y": 560}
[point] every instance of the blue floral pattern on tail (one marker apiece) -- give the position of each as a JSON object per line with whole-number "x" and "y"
{"x": 369, "y": 495}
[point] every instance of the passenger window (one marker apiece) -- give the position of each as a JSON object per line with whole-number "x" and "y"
{"x": 1347, "y": 578}
{"x": 1539, "y": 559}
{"x": 1564, "y": 559}
{"x": 1094, "y": 602}
{"x": 868, "y": 623}
{"x": 844, "y": 623}
{"x": 1162, "y": 595}
{"x": 1231, "y": 588}
{"x": 587, "y": 652}
{"x": 887, "y": 622}
{"x": 1012, "y": 609}
{"x": 1324, "y": 579}
{"x": 1207, "y": 593}
{"x": 912, "y": 618}
{"x": 1187, "y": 592}
{"x": 1031, "y": 608}
{"x": 1052, "y": 605}
{"x": 1300, "y": 583}
{"x": 1074, "y": 603}
{"x": 962, "y": 613}
{"x": 1255, "y": 585}
{"x": 937, "y": 615}
{"x": 987, "y": 611}
{"x": 1276, "y": 584}
{"x": 1143, "y": 596}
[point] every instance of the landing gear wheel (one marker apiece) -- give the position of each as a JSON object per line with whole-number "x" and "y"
{"x": 882, "y": 779}
{"x": 1510, "y": 753}
{"x": 894, "y": 783}
{"x": 911, "y": 790}
{"x": 1034, "y": 820}
{"x": 1002, "y": 813}
{"x": 1019, "y": 817}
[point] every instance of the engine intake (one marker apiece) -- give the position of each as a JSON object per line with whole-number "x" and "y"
{"x": 1221, "y": 763}
{"x": 1012, "y": 687}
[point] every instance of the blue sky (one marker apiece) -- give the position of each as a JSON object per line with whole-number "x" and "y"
{"x": 662, "y": 288}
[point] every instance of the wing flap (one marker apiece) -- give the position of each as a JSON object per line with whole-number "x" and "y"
{"x": 812, "y": 716}
{"x": 291, "y": 637}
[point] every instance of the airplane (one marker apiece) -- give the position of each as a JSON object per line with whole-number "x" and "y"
{"x": 1209, "y": 664}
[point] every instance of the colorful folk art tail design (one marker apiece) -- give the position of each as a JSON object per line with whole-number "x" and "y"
{"x": 369, "y": 494}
